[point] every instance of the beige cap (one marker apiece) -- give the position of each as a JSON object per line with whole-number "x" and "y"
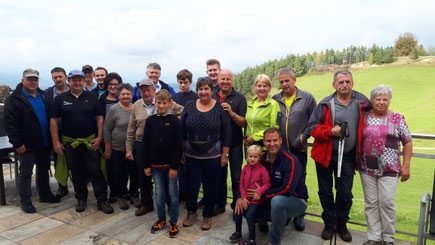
{"x": 30, "y": 73}
{"x": 145, "y": 82}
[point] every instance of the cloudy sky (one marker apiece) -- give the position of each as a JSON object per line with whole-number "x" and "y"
{"x": 124, "y": 36}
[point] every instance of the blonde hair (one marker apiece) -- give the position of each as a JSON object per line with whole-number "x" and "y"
{"x": 255, "y": 149}
{"x": 163, "y": 95}
{"x": 263, "y": 78}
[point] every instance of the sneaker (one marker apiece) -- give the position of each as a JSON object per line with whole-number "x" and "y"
{"x": 105, "y": 207}
{"x": 327, "y": 232}
{"x": 50, "y": 199}
{"x": 81, "y": 206}
{"x": 173, "y": 230}
{"x": 134, "y": 200}
{"x": 123, "y": 203}
{"x": 248, "y": 242}
{"x": 343, "y": 232}
{"x": 190, "y": 219}
{"x": 62, "y": 191}
{"x": 263, "y": 227}
{"x": 144, "y": 210}
{"x": 299, "y": 223}
{"x": 160, "y": 224}
{"x": 235, "y": 237}
{"x": 206, "y": 223}
{"x": 28, "y": 207}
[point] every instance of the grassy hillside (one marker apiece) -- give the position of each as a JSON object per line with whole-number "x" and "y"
{"x": 413, "y": 91}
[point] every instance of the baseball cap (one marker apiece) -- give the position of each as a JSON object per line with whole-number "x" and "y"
{"x": 76, "y": 73}
{"x": 145, "y": 82}
{"x": 30, "y": 73}
{"x": 87, "y": 68}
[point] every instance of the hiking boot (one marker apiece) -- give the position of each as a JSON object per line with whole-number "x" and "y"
{"x": 235, "y": 237}
{"x": 81, "y": 206}
{"x": 144, "y": 210}
{"x": 173, "y": 230}
{"x": 388, "y": 243}
{"x": 190, "y": 219}
{"x": 371, "y": 242}
{"x": 263, "y": 227}
{"x": 247, "y": 242}
{"x": 28, "y": 207}
{"x": 327, "y": 232}
{"x": 343, "y": 232}
{"x": 105, "y": 207}
{"x": 134, "y": 200}
{"x": 62, "y": 191}
{"x": 123, "y": 203}
{"x": 160, "y": 224}
{"x": 49, "y": 199}
{"x": 299, "y": 223}
{"x": 206, "y": 223}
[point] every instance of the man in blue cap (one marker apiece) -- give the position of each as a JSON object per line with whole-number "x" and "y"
{"x": 82, "y": 133}
{"x": 27, "y": 126}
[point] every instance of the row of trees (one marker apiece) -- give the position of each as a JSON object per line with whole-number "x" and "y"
{"x": 405, "y": 45}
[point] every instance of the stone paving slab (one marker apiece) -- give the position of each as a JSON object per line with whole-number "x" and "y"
{"x": 4, "y": 241}
{"x": 54, "y": 236}
{"x": 23, "y": 232}
{"x": 86, "y": 238}
{"x": 18, "y": 219}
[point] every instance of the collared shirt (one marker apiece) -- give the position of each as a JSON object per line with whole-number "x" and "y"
{"x": 149, "y": 108}
{"x": 349, "y": 114}
{"x": 55, "y": 93}
{"x": 41, "y": 114}
{"x": 158, "y": 86}
{"x": 94, "y": 86}
{"x": 78, "y": 114}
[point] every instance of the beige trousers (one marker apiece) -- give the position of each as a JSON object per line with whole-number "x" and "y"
{"x": 380, "y": 208}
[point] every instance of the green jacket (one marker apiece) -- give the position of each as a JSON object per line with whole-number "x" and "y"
{"x": 261, "y": 119}
{"x": 61, "y": 172}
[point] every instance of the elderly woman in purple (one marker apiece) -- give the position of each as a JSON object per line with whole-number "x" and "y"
{"x": 380, "y": 167}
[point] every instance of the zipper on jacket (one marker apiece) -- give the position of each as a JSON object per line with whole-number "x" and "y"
{"x": 250, "y": 176}
{"x": 253, "y": 117}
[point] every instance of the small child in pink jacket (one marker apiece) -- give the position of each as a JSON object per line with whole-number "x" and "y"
{"x": 253, "y": 176}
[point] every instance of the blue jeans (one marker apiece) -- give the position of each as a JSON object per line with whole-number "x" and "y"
{"x": 343, "y": 186}
{"x": 162, "y": 182}
{"x": 145, "y": 183}
{"x": 281, "y": 208}
{"x": 235, "y": 162}
{"x": 205, "y": 170}
{"x": 250, "y": 219}
{"x": 123, "y": 168}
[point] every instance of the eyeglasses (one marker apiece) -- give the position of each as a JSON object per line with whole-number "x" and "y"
{"x": 113, "y": 84}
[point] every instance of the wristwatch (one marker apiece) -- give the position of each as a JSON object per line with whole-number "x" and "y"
{"x": 235, "y": 116}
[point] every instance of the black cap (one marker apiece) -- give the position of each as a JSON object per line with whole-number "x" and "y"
{"x": 87, "y": 68}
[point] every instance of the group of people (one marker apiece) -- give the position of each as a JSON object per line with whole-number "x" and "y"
{"x": 124, "y": 138}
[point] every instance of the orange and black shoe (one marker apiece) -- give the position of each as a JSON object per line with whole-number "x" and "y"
{"x": 160, "y": 224}
{"x": 173, "y": 230}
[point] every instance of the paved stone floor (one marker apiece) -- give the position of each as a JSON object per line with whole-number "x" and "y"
{"x": 60, "y": 224}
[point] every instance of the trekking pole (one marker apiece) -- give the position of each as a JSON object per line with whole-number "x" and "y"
{"x": 341, "y": 143}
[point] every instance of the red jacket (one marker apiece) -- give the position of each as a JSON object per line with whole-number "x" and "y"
{"x": 252, "y": 175}
{"x": 321, "y": 123}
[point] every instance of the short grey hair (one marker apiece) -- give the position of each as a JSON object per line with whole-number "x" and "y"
{"x": 380, "y": 90}
{"x": 154, "y": 65}
{"x": 344, "y": 72}
{"x": 286, "y": 71}
{"x": 124, "y": 86}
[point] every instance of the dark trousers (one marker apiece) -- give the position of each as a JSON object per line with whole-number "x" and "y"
{"x": 235, "y": 162}
{"x": 250, "y": 219}
{"x": 182, "y": 182}
{"x": 302, "y": 157}
{"x": 343, "y": 187}
{"x": 122, "y": 169}
{"x": 145, "y": 183}
{"x": 205, "y": 170}
{"x": 84, "y": 164}
{"x": 41, "y": 158}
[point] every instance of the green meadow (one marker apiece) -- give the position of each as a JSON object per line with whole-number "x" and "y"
{"x": 414, "y": 97}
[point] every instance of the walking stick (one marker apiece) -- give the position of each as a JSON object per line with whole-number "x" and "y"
{"x": 341, "y": 143}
